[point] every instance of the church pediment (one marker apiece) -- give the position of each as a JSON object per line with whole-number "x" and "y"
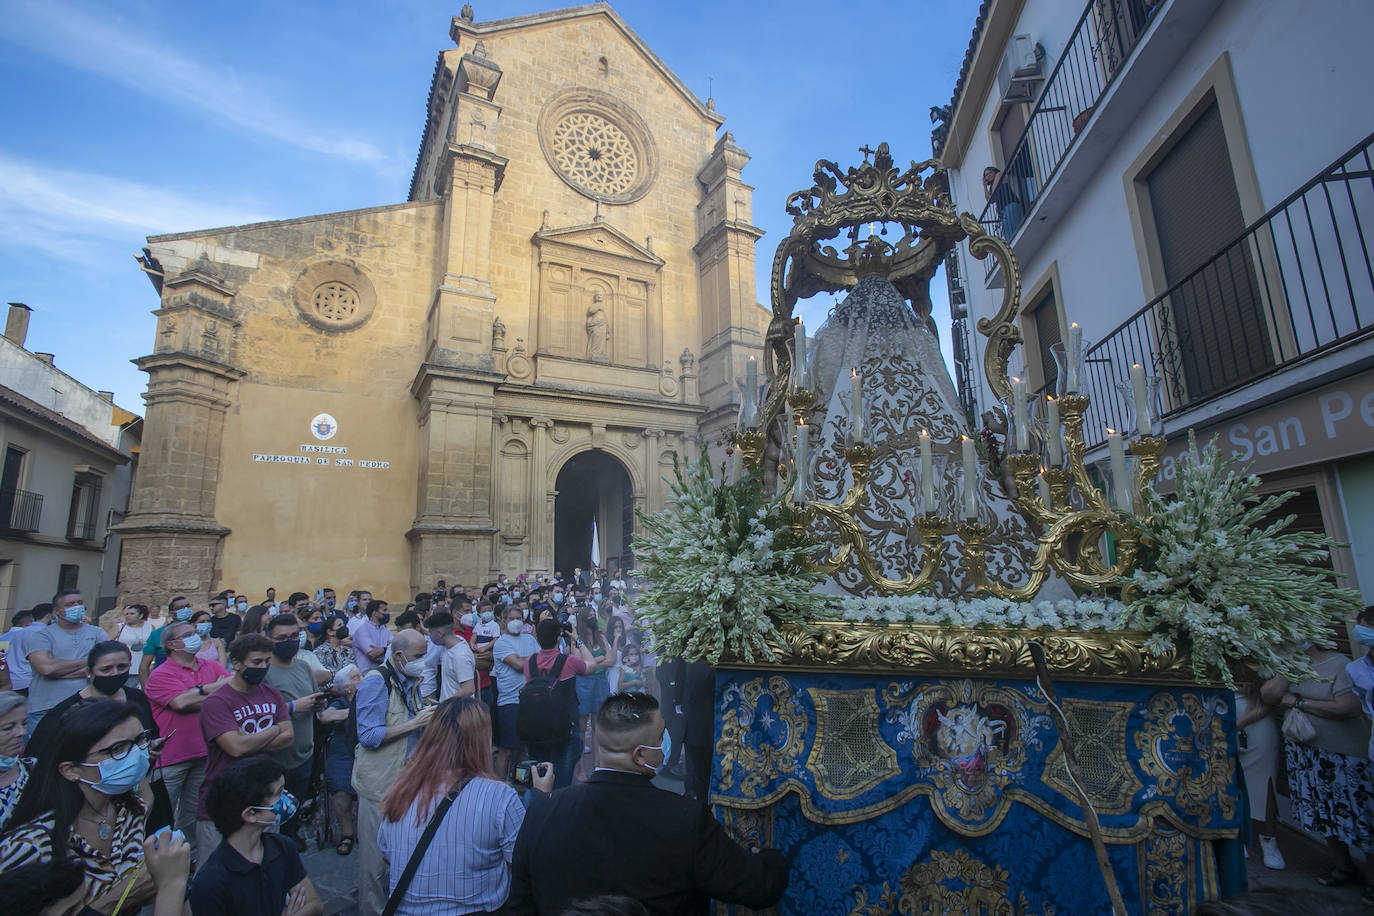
{"x": 598, "y": 237}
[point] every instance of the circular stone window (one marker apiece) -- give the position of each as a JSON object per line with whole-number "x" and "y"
{"x": 334, "y": 296}
{"x": 598, "y": 146}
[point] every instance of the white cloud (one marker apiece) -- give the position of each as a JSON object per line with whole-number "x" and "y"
{"x": 57, "y": 211}
{"x": 91, "y": 41}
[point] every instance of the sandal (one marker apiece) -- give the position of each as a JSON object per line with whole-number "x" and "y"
{"x": 1344, "y": 874}
{"x": 345, "y": 845}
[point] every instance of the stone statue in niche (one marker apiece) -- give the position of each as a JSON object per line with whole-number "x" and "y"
{"x": 598, "y": 330}
{"x": 498, "y": 334}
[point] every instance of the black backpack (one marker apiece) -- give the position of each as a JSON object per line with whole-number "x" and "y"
{"x": 547, "y": 705}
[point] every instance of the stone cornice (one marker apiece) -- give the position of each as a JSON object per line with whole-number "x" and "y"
{"x": 155, "y": 524}
{"x": 180, "y": 359}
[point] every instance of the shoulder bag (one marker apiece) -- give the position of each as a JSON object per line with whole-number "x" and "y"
{"x": 399, "y": 891}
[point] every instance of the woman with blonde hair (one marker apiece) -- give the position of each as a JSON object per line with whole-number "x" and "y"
{"x": 466, "y": 866}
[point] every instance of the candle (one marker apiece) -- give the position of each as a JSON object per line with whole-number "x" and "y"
{"x": 799, "y": 485}
{"x": 1043, "y": 486}
{"x": 1018, "y": 405}
{"x": 800, "y": 377}
{"x": 1142, "y": 402}
{"x": 1075, "y": 358}
{"x": 736, "y": 464}
{"x": 749, "y": 408}
{"x": 1053, "y": 440}
{"x": 1121, "y": 486}
{"x": 927, "y": 476}
{"x": 970, "y": 480}
{"x": 856, "y": 405}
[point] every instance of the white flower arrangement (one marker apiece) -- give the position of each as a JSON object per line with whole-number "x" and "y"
{"x": 1215, "y": 580}
{"x": 723, "y": 567}
{"x": 1067, "y": 614}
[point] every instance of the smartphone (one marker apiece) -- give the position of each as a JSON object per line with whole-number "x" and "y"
{"x": 319, "y": 594}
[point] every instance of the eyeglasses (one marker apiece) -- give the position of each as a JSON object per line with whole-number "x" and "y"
{"x": 120, "y": 749}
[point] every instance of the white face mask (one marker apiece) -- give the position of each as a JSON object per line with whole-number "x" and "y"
{"x": 513, "y": 627}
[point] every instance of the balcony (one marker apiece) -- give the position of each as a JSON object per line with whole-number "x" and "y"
{"x": 20, "y": 510}
{"x": 1298, "y": 282}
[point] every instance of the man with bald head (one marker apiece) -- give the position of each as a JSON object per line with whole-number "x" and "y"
{"x": 389, "y": 721}
{"x": 634, "y": 839}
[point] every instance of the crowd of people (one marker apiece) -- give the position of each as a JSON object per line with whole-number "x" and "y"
{"x": 182, "y": 759}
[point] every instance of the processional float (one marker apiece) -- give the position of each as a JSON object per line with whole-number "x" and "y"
{"x": 915, "y": 769}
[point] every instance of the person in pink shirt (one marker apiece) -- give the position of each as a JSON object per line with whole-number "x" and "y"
{"x": 176, "y": 689}
{"x": 372, "y": 637}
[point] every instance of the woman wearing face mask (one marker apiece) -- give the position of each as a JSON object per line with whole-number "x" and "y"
{"x": 107, "y": 671}
{"x": 254, "y": 620}
{"x": 338, "y": 757}
{"x": 335, "y": 652}
{"x": 88, "y": 801}
{"x": 1329, "y": 777}
{"x": 211, "y": 648}
{"x": 133, "y": 629}
{"x": 15, "y": 768}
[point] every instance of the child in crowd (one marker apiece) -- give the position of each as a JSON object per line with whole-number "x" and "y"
{"x": 631, "y": 671}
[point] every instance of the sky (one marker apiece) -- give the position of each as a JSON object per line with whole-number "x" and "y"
{"x": 152, "y": 116}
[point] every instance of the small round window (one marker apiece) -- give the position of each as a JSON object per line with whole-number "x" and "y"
{"x": 335, "y": 302}
{"x": 334, "y": 296}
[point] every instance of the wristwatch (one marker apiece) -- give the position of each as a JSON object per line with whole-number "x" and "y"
{"x": 200, "y": 689}
{"x": 1300, "y": 702}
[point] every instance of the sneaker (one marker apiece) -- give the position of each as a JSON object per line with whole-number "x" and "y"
{"x": 1272, "y": 857}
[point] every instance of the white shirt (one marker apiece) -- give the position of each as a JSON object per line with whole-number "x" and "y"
{"x": 355, "y": 622}
{"x": 430, "y": 682}
{"x": 487, "y": 628}
{"x": 458, "y": 666}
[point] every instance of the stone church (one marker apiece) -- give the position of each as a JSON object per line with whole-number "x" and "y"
{"x": 461, "y": 383}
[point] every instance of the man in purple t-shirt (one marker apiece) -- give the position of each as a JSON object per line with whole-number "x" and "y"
{"x": 244, "y": 718}
{"x": 372, "y": 637}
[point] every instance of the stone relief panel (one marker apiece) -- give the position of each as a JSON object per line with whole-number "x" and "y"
{"x": 514, "y": 483}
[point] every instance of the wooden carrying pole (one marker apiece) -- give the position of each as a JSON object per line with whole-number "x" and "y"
{"x": 1042, "y": 677}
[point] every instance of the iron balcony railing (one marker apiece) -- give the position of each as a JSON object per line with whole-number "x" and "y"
{"x": 20, "y": 510}
{"x": 1106, "y": 34}
{"x": 1298, "y": 281}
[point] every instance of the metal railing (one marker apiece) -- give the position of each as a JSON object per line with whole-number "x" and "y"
{"x": 1106, "y": 34}
{"x": 1298, "y": 281}
{"x": 20, "y": 510}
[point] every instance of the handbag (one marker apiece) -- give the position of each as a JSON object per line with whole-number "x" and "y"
{"x": 399, "y": 891}
{"x": 1298, "y": 727}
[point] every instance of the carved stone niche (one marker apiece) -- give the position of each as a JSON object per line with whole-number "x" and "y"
{"x": 599, "y": 298}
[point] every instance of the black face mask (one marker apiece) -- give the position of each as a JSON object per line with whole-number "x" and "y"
{"x": 385, "y": 619}
{"x": 108, "y": 684}
{"x": 286, "y": 649}
{"x": 254, "y": 676}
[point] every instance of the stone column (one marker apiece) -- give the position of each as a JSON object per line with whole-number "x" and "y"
{"x": 540, "y": 544}
{"x": 171, "y": 539}
{"x": 656, "y": 488}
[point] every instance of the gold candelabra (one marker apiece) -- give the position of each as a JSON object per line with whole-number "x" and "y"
{"x": 1069, "y": 536}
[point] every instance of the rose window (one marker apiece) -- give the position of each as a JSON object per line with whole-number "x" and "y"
{"x": 335, "y": 301}
{"x": 594, "y": 153}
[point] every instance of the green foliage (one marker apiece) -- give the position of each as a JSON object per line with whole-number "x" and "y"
{"x": 1217, "y": 581}
{"x": 724, "y": 568}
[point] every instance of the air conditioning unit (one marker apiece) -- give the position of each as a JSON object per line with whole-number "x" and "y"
{"x": 1019, "y": 74}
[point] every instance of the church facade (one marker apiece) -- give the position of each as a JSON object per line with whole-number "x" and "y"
{"x": 460, "y": 383}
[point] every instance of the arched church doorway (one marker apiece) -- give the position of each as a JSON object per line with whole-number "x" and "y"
{"x": 592, "y": 485}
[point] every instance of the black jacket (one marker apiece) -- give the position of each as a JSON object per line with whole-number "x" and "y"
{"x": 618, "y": 834}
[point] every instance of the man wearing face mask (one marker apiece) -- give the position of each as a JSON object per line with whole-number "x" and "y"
{"x": 370, "y": 639}
{"x": 389, "y": 721}
{"x": 253, "y": 872}
{"x": 154, "y": 654}
{"x": 244, "y": 718}
{"x": 357, "y": 610}
{"x": 57, "y": 655}
{"x": 635, "y": 840}
{"x": 176, "y": 692}
{"x": 296, "y": 681}
{"x": 510, "y": 652}
{"x": 225, "y": 624}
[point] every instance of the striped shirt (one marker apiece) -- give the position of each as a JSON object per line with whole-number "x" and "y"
{"x": 467, "y": 867}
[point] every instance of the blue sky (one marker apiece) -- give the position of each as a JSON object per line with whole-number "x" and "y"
{"x": 151, "y": 116}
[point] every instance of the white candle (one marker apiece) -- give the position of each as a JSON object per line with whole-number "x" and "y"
{"x": 856, "y": 405}
{"x": 1053, "y": 440}
{"x": 736, "y": 464}
{"x": 1075, "y": 357}
{"x": 1122, "y": 496}
{"x": 1142, "y": 402}
{"x": 1044, "y": 487}
{"x": 927, "y": 475}
{"x": 749, "y": 408}
{"x": 799, "y": 484}
{"x": 800, "y": 376}
{"x": 970, "y": 480}
{"x": 1018, "y": 404}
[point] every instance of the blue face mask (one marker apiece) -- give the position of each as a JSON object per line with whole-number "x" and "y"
{"x": 557, "y": 597}
{"x": 242, "y": 606}
{"x": 506, "y": 598}
{"x": 75, "y": 614}
{"x": 283, "y": 807}
{"x": 184, "y": 614}
{"x": 120, "y": 776}
{"x": 8, "y": 763}
{"x": 352, "y": 604}
{"x": 192, "y": 643}
{"x": 1364, "y": 635}
{"x": 488, "y": 616}
{"x": 666, "y": 746}
{"x": 203, "y": 629}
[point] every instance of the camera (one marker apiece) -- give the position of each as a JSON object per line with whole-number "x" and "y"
{"x": 523, "y": 773}
{"x": 565, "y": 618}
